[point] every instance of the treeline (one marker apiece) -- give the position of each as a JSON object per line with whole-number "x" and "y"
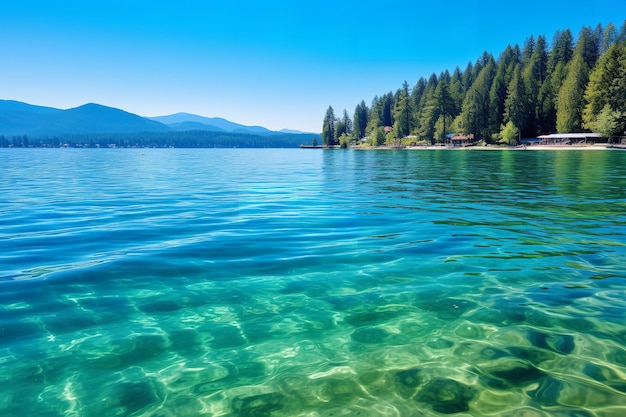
{"x": 187, "y": 139}
{"x": 571, "y": 86}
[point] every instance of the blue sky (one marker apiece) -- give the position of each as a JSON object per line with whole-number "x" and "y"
{"x": 278, "y": 64}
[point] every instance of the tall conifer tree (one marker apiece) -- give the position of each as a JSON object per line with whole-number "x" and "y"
{"x": 328, "y": 128}
{"x": 570, "y": 100}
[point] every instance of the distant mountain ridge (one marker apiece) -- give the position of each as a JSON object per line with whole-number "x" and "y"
{"x": 184, "y": 121}
{"x": 187, "y": 121}
{"x": 19, "y": 118}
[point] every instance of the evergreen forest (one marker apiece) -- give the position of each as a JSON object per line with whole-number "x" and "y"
{"x": 169, "y": 139}
{"x": 573, "y": 84}
{"x": 183, "y": 139}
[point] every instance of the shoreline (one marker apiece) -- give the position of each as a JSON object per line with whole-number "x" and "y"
{"x": 601, "y": 147}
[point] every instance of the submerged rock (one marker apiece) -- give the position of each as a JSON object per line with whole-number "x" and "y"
{"x": 409, "y": 377}
{"x": 226, "y": 336}
{"x": 258, "y": 405}
{"x": 520, "y": 374}
{"x": 446, "y": 396}
{"x": 369, "y": 335}
{"x": 440, "y": 343}
{"x": 559, "y": 343}
{"x": 134, "y": 396}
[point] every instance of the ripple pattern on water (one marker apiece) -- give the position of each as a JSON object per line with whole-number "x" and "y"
{"x": 292, "y": 283}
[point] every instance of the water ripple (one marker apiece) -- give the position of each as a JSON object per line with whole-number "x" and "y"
{"x": 282, "y": 282}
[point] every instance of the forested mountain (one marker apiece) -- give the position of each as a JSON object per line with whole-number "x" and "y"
{"x": 94, "y": 125}
{"x": 571, "y": 85}
{"x": 18, "y": 118}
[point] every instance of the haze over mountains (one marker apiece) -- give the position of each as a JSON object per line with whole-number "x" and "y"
{"x": 18, "y": 118}
{"x": 186, "y": 121}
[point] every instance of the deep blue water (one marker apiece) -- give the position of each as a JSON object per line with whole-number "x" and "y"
{"x": 231, "y": 282}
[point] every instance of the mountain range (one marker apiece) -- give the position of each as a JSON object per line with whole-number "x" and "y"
{"x": 18, "y": 118}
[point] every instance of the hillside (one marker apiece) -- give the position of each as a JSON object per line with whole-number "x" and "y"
{"x": 95, "y": 125}
{"x": 18, "y": 118}
{"x": 571, "y": 85}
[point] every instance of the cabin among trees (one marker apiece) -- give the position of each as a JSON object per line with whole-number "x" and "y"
{"x": 461, "y": 141}
{"x": 566, "y": 86}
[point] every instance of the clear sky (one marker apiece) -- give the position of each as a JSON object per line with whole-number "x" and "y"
{"x": 274, "y": 63}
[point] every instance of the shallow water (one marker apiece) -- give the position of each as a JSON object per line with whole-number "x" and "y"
{"x": 275, "y": 283}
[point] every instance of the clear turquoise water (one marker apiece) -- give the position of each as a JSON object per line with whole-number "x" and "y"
{"x": 312, "y": 283}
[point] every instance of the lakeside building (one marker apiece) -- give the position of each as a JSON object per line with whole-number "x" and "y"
{"x": 460, "y": 141}
{"x": 569, "y": 138}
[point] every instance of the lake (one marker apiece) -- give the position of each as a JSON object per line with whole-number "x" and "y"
{"x": 234, "y": 282}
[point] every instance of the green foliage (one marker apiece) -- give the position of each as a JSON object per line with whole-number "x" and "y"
{"x": 516, "y": 107}
{"x": 386, "y": 108}
{"x": 347, "y": 123}
{"x": 377, "y": 137}
{"x": 328, "y": 128}
{"x": 587, "y": 46}
{"x": 344, "y": 141}
{"x": 533, "y": 77}
{"x": 440, "y": 130}
{"x": 536, "y": 88}
{"x": 475, "y": 109}
{"x": 445, "y": 104}
{"x": 360, "y": 120}
{"x": 570, "y": 101}
{"x": 498, "y": 93}
{"x": 509, "y": 133}
{"x": 607, "y": 123}
{"x": 373, "y": 118}
{"x": 180, "y": 139}
{"x": 393, "y": 138}
{"x": 402, "y": 112}
{"x": 343, "y": 126}
{"x": 562, "y": 49}
{"x": 609, "y": 37}
{"x": 607, "y": 87}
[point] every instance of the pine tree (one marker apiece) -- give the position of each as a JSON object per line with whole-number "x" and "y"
{"x": 562, "y": 50}
{"x": 607, "y": 87}
{"x": 516, "y": 109}
{"x": 445, "y": 103}
{"x": 374, "y": 119}
{"x": 456, "y": 91}
{"x": 571, "y": 96}
{"x": 534, "y": 75}
{"x": 468, "y": 79}
{"x": 609, "y": 37}
{"x": 347, "y": 122}
{"x": 360, "y": 120}
{"x": 343, "y": 126}
{"x": 403, "y": 112}
{"x": 587, "y": 46}
{"x": 529, "y": 49}
{"x": 387, "y": 109}
{"x": 475, "y": 112}
{"x": 328, "y": 128}
{"x": 428, "y": 113}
